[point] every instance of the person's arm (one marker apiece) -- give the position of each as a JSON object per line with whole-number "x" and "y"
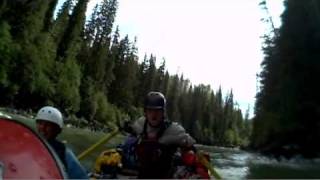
{"x": 175, "y": 134}
{"x": 134, "y": 128}
{"x": 74, "y": 169}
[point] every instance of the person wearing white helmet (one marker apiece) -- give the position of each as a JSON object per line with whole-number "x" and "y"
{"x": 49, "y": 123}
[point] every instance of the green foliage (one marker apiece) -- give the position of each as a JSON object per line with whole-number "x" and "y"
{"x": 70, "y": 43}
{"x": 287, "y": 103}
{"x": 60, "y": 24}
{"x": 8, "y": 55}
{"x": 3, "y": 6}
{"x": 5, "y": 52}
{"x": 90, "y": 72}
{"x": 173, "y": 95}
{"x": 230, "y": 137}
{"x": 125, "y": 71}
{"x": 67, "y": 88}
{"x": 48, "y": 20}
{"x": 104, "y": 111}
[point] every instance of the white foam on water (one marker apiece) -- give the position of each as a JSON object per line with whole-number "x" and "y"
{"x": 5, "y": 115}
{"x": 235, "y": 164}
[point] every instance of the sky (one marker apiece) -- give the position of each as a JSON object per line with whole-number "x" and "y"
{"x": 213, "y": 42}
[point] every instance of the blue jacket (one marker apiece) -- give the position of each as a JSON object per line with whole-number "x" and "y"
{"x": 74, "y": 169}
{"x": 72, "y": 165}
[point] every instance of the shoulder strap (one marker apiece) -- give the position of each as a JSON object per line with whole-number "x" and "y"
{"x": 163, "y": 127}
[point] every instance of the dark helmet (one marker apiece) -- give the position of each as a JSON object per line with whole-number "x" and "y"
{"x": 155, "y": 100}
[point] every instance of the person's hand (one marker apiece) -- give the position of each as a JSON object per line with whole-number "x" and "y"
{"x": 126, "y": 126}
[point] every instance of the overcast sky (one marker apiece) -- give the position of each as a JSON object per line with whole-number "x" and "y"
{"x": 214, "y": 42}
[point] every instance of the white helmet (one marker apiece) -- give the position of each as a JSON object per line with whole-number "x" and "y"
{"x": 50, "y": 114}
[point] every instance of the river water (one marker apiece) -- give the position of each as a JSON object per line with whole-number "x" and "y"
{"x": 238, "y": 164}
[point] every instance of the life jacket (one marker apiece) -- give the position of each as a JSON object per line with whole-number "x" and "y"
{"x": 108, "y": 164}
{"x": 191, "y": 167}
{"x": 129, "y": 158}
{"x": 155, "y": 159}
{"x": 69, "y": 160}
{"x": 189, "y": 158}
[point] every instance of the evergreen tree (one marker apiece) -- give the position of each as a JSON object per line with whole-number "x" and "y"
{"x": 218, "y": 108}
{"x": 32, "y": 84}
{"x": 151, "y": 73}
{"x": 48, "y": 20}
{"x": 286, "y": 105}
{"x": 3, "y": 7}
{"x": 142, "y": 81}
{"x": 105, "y": 20}
{"x": 125, "y": 71}
{"x": 160, "y": 76}
{"x": 173, "y": 97}
{"x": 8, "y": 51}
{"x": 88, "y": 70}
{"x": 165, "y": 84}
{"x": 71, "y": 39}
{"x": 97, "y": 60}
{"x": 60, "y": 24}
{"x": 68, "y": 71}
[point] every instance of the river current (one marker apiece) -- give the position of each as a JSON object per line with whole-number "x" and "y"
{"x": 238, "y": 164}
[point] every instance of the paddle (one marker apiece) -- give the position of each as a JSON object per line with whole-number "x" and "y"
{"x": 102, "y": 141}
{"x": 120, "y": 128}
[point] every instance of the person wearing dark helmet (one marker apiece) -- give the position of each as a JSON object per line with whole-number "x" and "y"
{"x": 49, "y": 123}
{"x": 158, "y": 139}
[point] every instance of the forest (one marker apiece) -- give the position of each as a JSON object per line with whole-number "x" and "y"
{"x": 287, "y": 109}
{"x": 82, "y": 66}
